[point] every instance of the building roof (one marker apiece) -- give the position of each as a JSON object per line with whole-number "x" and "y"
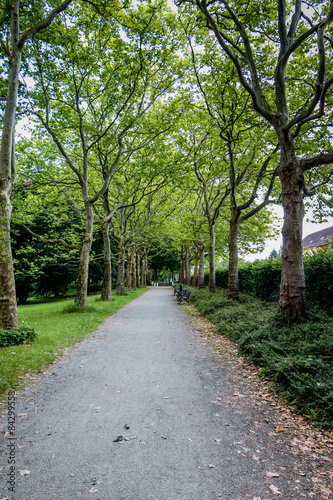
{"x": 318, "y": 238}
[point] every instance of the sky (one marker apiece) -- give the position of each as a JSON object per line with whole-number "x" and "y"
{"x": 308, "y": 228}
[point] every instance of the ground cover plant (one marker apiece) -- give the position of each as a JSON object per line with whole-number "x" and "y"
{"x": 16, "y": 337}
{"x": 56, "y": 330}
{"x": 297, "y": 355}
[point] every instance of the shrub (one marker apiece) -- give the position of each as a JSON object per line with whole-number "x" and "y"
{"x": 17, "y": 336}
{"x": 319, "y": 277}
{"x": 297, "y": 355}
{"x": 262, "y": 278}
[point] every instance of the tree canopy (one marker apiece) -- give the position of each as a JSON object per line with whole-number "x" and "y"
{"x": 159, "y": 135}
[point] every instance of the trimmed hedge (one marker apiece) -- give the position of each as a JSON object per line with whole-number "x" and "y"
{"x": 319, "y": 277}
{"x": 262, "y": 278}
{"x": 16, "y": 337}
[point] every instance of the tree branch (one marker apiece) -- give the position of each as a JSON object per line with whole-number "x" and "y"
{"x": 316, "y": 161}
{"x": 48, "y": 241}
{"x": 42, "y": 24}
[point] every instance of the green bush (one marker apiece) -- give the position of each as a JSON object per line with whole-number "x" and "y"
{"x": 16, "y": 337}
{"x": 319, "y": 277}
{"x": 262, "y": 278}
{"x": 297, "y": 355}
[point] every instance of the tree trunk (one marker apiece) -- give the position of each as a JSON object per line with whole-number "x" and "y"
{"x": 134, "y": 284}
{"x": 121, "y": 269}
{"x": 129, "y": 269}
{"x": 143, "y": 271}
{"x": 196, "y": 267}
{"x": 201, "y": 272}
{"x": 233, "y": 289}
{"x": 82, "y": 284}
{"x": 182, "y": 267}
{"x": 8, "y": 307}
{"x": 107, "y": 279}
{"x": 188, "y": 266}
{"x": 212, "y": 281}
{"x": 138, "y": 270}
{"x": 292, "y": 286}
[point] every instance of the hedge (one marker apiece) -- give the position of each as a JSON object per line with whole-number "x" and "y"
{"x": 262, "y": 278}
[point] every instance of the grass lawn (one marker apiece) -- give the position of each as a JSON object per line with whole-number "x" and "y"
{"x": 56, "y": 331}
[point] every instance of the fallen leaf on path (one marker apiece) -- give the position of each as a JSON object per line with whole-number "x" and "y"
{"x": 279, "y": 428}
{"x": 211, "y": 466}
{"x": 93, "y": 490}
{"x": 126, "y": 426}
{"x": 24, "y": 472}
{"x": 272, "y": 474}
{"x": 120, "y": 438}
{"x": 274, "y": 489}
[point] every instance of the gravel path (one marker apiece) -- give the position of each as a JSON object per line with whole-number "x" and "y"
{"x": 189, "y": 438}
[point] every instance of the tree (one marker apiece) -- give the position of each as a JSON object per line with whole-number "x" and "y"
{"x": 91, "y": 95}
{"x": 268, "y": 46}
{"x": 243, "y": 138}
{"x": 12, "y": 43}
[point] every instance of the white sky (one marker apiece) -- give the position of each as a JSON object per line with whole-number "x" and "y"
{"x": 276, "y": 244}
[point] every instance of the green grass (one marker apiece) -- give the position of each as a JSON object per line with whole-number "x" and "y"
{"x": 56, "y": 330}
{"x": 297, "y": 355}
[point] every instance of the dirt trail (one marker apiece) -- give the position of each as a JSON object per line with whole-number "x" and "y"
{"x": 192, "y": 433}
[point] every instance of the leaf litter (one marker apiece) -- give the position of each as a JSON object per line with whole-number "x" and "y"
{"x": 313, "y": 445}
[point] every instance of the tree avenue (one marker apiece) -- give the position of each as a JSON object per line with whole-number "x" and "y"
{"x": 92, "y": 93}
{"x": 269, "y": 44}
{"x": 151, "y": 127}
{"x": 245, "y": 145}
